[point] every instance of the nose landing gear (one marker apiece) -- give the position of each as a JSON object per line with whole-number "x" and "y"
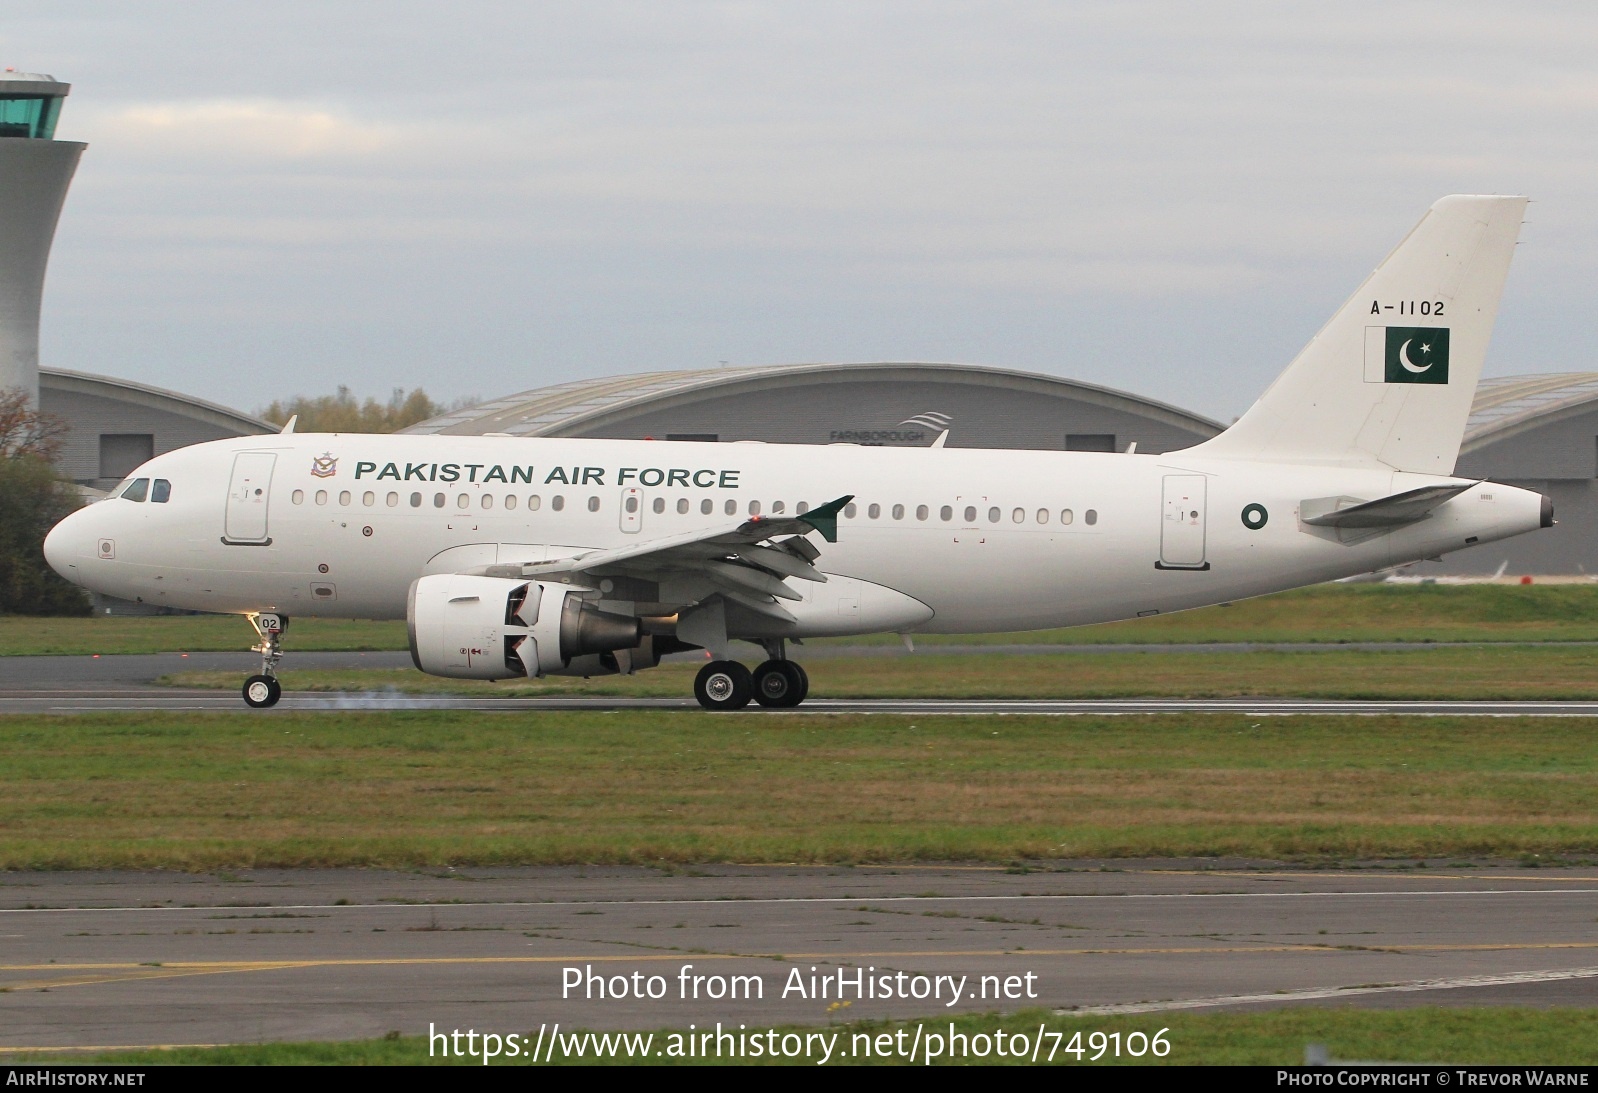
{"x": 263, "y": 690}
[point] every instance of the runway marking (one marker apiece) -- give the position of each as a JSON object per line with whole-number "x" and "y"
{"x": 1455, "y": 983}
{"x": 128, "y": 972}
{"x": 757, "y": 901}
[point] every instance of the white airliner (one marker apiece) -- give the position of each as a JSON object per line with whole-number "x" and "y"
{"x": 517, "y": 557}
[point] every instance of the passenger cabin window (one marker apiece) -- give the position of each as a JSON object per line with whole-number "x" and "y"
{"x": 1091, "y": 517}
{"x": 851, "y": 510}
{"x": 161, "y": 492}
{"x": 946, "y": 513}
{"x": 137, "y": 490}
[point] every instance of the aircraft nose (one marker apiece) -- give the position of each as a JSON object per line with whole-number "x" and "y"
{"x": 68, "y": 544}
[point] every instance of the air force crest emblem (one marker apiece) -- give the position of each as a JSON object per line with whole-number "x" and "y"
{"x": 324, "y": 466}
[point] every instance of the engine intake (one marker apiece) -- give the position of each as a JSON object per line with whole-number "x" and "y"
{"x": 467, "y": 627}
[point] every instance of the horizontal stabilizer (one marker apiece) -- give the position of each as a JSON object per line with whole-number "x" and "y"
{"x": 1384, "y": 512}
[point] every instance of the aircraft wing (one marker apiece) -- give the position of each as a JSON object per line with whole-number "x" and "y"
{"x": 746, "y": 562}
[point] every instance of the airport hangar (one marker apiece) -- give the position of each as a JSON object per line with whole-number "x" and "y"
{"x": 1539, "y": 432}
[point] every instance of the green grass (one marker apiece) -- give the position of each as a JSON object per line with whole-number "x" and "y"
{"x": 205, "y": 791}
{"x": 1325, "y": 613}
{"x": 22, "y": 635}
{"x": 1477, "y": 672}
{"x": 1501, "y": 1035}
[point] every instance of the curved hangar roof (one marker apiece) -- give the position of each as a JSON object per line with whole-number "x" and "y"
{"x": 1533, "y": 427}
{"x": 890, "y": 404}
{"x": 114, "y": 424}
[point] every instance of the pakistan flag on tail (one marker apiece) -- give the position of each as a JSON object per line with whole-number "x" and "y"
{"x": 1406, "y": 354}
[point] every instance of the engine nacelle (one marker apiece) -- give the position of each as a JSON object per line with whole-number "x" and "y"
{"x": 468, "y": 627}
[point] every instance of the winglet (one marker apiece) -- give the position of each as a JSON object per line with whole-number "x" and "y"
{"x": 288, "y": 426}
{"x": 825, "y": 518}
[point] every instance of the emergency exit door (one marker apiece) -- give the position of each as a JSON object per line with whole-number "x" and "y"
{"x": 1182, "y": 523}
{"x": 249, "y": 495}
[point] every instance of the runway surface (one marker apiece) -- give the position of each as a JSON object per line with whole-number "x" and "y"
{"x": 174, "y": 701}
{"x": 110, "y": 959}
{"x": 80, "y": 684}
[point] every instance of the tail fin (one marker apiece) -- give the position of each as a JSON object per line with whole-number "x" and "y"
{"x": 1391, "y": 378}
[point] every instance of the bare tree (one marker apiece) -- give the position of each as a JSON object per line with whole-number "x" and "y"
{"x": 27, "y": 431}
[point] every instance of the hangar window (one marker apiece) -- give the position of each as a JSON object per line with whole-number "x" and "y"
{"x": 851, "y": 510}
{"x": 487, "y": 500}
{"x": 946, "y": 513}
{"x": 533, "y": 502}
{"x": 1043, "y": 516}
{"x": 298, "y": 497}
{"x": 416, "y": 500}
{"x": 558, "y": 502}
{"x": 392, "y": 500}
{"x": 802, "y": 507}
{"x": 464, "y": 501}
{"x": 970, "y": 514}
{"x": 440, "y": 500}
{"x": 922, "y": 512}
{"x": 593, "y": 503}
{"x": 1066, "y": 516}
{"x": 993, "y": 515}
{"x": 682, "y": 505}
{"x": 123, "y": 453}
{"x": 344, "y": 498}
{"x": 161, "y": 492}
{"x": 1091, "y": 517}
{"x": 754, "y": 508}
{"x": 874, "y": 511}
{"x": 510, "y": 500}
{"x": 898, "y": 512}
{"x": 321, "y": 497}
{"x": 1018, "y": 516}
{"x": 706, "y": 505}
{"x": 731, "y": 506}
{"x": 368, "y": 498}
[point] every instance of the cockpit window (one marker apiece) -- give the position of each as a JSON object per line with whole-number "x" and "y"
{"x": 161, "y": 493}
{"x": 136, "y": 491}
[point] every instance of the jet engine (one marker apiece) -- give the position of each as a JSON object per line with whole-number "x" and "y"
{"x": 469, "y": 627}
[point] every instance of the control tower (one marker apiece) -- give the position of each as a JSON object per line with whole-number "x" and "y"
{"x": 35, "y": 171}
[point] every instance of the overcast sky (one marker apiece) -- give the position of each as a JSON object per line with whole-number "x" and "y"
{"x": 478, "y": 198}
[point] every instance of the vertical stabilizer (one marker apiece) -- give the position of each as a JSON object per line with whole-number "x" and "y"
{"x": 1391, "y": 378}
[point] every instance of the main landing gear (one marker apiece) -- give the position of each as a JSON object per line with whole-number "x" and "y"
{"x": 261, "y": 691}
{"x": 727, "y": 685}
